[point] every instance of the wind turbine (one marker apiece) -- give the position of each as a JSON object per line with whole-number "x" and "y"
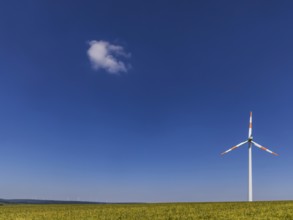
{"x": 250, "y": 142}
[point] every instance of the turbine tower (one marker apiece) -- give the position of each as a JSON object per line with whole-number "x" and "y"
{"x": 250, "y": 142}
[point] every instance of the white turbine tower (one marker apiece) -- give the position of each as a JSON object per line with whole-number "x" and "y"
{"x": 250, "y": 142}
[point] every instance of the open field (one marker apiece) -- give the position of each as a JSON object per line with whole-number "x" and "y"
{"x": 233, "y": 210}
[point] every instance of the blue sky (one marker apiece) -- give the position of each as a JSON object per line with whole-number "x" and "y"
{"x": 133, "y": 101}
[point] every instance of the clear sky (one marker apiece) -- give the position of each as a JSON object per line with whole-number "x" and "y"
{"x": 133, "y": 101}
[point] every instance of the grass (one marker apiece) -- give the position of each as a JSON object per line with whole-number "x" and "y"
{"x": 164, "y": 211}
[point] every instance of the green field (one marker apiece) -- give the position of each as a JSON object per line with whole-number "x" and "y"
{"x": 225, "y": 211}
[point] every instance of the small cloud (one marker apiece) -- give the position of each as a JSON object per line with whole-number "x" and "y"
{"x": 104, "y": 55}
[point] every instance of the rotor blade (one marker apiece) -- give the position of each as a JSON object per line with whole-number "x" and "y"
{"x": 263, "y": 148}
{"x": 236, "y": 146}
{"x": 250, "y": 126}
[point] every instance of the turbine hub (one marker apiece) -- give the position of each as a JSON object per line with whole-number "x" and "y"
{"x": 250, "y": 138}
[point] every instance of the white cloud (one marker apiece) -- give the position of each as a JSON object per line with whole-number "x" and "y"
{"x": 104, "y": 55}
